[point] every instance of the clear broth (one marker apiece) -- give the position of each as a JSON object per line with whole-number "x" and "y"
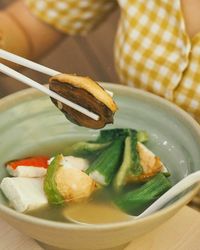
{"x": 97, "y": 210}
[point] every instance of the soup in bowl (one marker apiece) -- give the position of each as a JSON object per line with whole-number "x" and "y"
{"x": 31, "y": 125}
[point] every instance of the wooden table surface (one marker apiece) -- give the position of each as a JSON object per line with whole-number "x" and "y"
{"x": 181, "y": 232}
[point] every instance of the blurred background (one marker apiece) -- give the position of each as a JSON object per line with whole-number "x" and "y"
{"x": 91, "y": 55}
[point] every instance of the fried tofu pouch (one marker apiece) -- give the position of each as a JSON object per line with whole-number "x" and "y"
{"x": 139, "y": 163}
{"x": 86, "y": 93}
{"x": 66, "y": 184}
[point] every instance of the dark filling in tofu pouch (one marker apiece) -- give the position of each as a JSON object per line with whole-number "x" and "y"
{"x": 85, "y": 99}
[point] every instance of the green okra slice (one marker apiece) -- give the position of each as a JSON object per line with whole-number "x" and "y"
{"x": 50, "y": 188}
{"x": 85, "y": 148}
{"x": 136, "y": 201}
{"x": 104, "y": 168}
{"x": 142, "y": 136}
{"x": 119, "y": 180}
{"x": 108, "y": 135}
{"x": 131, "y": 160}
{"x": 112, "y": 134}
{"x": 136, "y": 167}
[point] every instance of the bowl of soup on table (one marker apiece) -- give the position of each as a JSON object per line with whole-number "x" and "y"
{"x": 81, "y": 188}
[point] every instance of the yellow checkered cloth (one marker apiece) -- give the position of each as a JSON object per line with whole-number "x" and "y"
{"x": 71, "y": 16}
{"x": 152, "y": 51}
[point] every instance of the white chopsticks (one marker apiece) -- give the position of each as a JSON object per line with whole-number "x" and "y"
{"x": 27, "y": 63}
{"x": 40, "y": 68}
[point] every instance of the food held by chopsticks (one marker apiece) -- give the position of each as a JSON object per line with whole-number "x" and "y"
{"x": 77, "y": 97}
{"x": 86, "y": 93}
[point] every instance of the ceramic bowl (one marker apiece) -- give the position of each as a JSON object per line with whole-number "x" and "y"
{"x": 30, "y": 124}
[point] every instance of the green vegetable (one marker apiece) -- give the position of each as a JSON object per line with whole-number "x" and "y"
{"x": 112, "y": 134}
{"x": 119, "y": 180}
{"x": 131, "y": 161}
{"x": 50, "y": 188}
{"x": 103, "y": 169}
{"x": 105, "y": 138}
{"x": 142, "y": 136}
{"x": 85, "y": 148}
{"x": 136, "y": 201}
{"x": 136, "y": 168}
{"x": 166, "y": 174}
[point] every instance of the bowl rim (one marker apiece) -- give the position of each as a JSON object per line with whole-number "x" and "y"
{"x": 26, "y": 94}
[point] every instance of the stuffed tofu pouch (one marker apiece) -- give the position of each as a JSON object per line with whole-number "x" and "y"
{"x": 88, "y": 94}
{"x": 66, "y": 184}
{"x": 139, "y": 164}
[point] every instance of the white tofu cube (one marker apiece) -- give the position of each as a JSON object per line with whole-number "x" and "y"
{"x": 24, "y": 193}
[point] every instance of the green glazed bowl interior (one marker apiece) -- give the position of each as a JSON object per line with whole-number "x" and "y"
{"x": 30, "y": 124}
